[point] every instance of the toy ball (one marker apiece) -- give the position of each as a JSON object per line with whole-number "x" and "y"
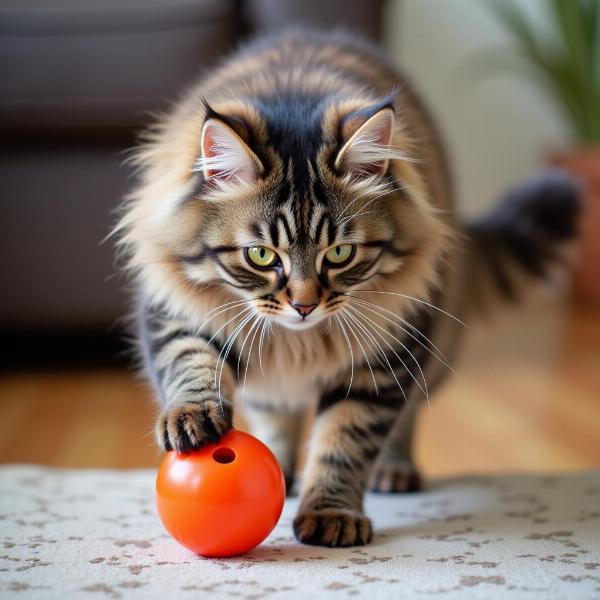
{"x": 223, "y": 499}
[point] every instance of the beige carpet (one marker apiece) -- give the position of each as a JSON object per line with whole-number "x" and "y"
{"x": 95, "y": 534}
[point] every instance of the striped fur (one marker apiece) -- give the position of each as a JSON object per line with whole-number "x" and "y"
{"x": 521, "y": 238}
{"x": 301, "y": 144}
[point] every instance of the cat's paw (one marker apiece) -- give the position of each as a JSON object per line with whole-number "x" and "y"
{"x": 333, "y": 527}
{"x": 187, "y": 425}
{"x": 395, "y": 478}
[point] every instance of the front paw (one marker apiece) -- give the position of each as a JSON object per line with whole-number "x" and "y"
{"x": 395, "y": 478}
{"x": 187, "y": 425}
{"x": 333, "y": 527}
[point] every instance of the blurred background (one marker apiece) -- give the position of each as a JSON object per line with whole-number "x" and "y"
{"x": 515, "y": 87}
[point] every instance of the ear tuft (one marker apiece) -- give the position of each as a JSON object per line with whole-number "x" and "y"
{"x": 368, "y": 149}
{"x": 225, "y": 155}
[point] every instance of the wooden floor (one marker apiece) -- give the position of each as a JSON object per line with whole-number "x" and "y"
{"x": 526, "y": 398}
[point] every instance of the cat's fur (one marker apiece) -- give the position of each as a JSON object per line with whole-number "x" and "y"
{"x": 299, "y": 143}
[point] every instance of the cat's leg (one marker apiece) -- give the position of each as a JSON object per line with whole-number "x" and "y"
{"x": 348, "y": 434}
{"x": 394, "y": 470}
{"x": 182, "y": 365}
{"x": 280, "y": 431}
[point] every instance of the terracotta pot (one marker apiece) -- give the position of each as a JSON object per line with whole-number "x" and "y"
{"x": 584, "y": 164}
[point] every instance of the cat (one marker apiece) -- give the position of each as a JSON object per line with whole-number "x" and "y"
{"x": 293, "y": 246}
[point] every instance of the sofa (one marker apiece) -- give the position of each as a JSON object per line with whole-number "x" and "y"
{"x": 79, "y": 80}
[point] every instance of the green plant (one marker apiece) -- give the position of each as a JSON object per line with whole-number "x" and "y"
{"x": 566, "y": 60}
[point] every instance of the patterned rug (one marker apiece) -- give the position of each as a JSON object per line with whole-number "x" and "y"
{"x": 95, "y": 534}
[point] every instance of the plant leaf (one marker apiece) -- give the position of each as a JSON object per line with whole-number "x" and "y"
{"x": 569, "y": 64}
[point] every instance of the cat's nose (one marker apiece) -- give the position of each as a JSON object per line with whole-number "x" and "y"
{"x": 304, "y": 309}
{"x": 303, "y": 295}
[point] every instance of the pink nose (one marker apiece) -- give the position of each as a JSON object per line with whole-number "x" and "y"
{"x": 304, "y": 309}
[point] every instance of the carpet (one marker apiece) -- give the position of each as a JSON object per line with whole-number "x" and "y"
{"x": 95, "y": 534}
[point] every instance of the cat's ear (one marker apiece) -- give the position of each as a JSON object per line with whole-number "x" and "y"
{"x": 368, "y": 136}
{"x": 225, "y": 155}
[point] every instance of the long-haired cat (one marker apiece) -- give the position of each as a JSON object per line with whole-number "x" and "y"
{"x": 293, "y": 245}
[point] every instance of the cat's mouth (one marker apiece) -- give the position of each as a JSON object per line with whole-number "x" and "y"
{"x": 297, "y": 322}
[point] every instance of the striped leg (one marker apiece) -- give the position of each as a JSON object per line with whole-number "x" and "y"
{"x": 182, "y": 366}
{"x": 348, "y": 434}
{"x": 280, "y": 431}
{"x": 394, "y": 470}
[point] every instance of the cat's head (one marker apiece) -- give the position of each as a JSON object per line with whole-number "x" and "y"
{"x": 289, "y": 203}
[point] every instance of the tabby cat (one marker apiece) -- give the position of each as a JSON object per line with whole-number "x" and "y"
{"x": 293, "y": 246}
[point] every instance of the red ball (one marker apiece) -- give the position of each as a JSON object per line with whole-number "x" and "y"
{"x": 223, "y": 499}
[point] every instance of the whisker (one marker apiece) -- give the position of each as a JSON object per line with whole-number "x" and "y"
{"x": 227, "y": 323}
{"x": 372, "y": 341}
{"x": 423, "y": 389}
{"x": 232, "y": 337}
{"x": 347, "y": 319}
{"x": 229, "y": 339}
{"x": 232, "y": 302}
{"x": 385, "y": 190}
{"x": 361, "y": 210}
{"x": 375, "y": 308}
{"x": 256, "y": 321}
{"x": 341, "y": 221}
{"x": 229, "y": 305}
{"x": 358, "y": 213}
{"x": 410, "y": 298}
{"x": 343, "y": 330}
{"x": 229, "y": 344}
{"x": 237, "y": 316}
{"x": 355, "y": 199}
{"x": 259, "y": 322}
{"x": 441, "y": 354}
{"x": 365, "y": 327}
{"x": 261, "y": 340}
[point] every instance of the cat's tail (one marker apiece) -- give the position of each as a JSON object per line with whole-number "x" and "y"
{"x": 521, "y": 239}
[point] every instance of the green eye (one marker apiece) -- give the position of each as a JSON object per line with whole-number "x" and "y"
{"x": 261, "y": 256}
{"x": 339, "y": 255}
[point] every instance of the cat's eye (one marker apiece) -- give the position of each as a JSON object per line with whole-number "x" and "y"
{"x": 261, "y": 257}
{"x": 338, "y": 256}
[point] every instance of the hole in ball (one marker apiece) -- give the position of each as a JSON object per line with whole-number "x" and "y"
{"x": 224, "y": 455}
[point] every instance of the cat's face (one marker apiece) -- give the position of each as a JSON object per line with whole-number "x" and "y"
{"x": 294, "y": 255}
{"x": 293, "y": 216}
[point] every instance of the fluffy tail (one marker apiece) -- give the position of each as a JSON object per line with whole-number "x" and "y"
{"x": 522, "y": 237}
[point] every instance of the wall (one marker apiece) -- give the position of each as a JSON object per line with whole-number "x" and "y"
{"x": 498, "y": 131}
